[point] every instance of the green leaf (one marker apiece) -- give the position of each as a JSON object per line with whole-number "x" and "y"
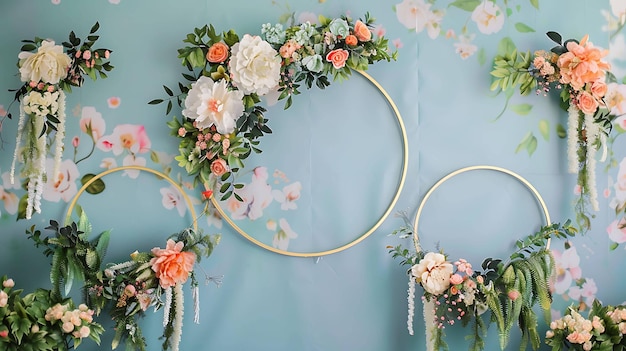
{"x": 467, "y": 5}
{"x": 522, "y": 109}
{"x": 523, "y": 28}
{"x": 535, "y": 3}
{"x": 544, "y": 129}
{"x": 155, "y": 102}
{"x": 560, "y": 131}
{"x": 96, "y": 187}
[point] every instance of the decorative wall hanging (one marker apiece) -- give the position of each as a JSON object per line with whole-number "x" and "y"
{"x": 455, "y": 292}
{"x": 48, "y": 73}
{"x": 222, "y": 116}
{"x": 578, "y": 71}
{"x": 126, "y": 290}
{"x": 221, "y": 95}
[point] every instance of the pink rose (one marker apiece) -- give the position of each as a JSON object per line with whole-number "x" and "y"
{"x": 219, "y": 167}
{"x": 362, "y": 32}
{"x": 513, "y": 295}
{"x": 456, "y": 279}
{"x": 338, "y": 58}
{"x": 587, "y": 103}
{"x": 4, "y": 333}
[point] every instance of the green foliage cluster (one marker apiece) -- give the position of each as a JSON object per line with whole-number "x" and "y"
{"x": 509, "y": 289}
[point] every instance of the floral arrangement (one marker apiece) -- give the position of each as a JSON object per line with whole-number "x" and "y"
{"x": 222, "y": 118}
{"x": 456, "y": 292}
{"x": 127, "y": 290}
{"x": 603, "y": 329}
{"x": 48, "y": 72}
{"x": 41, "y": 321}
{"x": 576, "y": 69}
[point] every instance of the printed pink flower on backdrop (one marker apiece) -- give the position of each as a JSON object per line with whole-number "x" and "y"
{"x": 620, "y": 186}
{"x": 3, "y": 111}
{"x": 617, "y": 231}
{"x": 171, "y": 198}
{"x": 64, "y": 187}
{"x": 256, "y": 195}
{"x": 586, "y": 293}
{"x": 285, "y": 233}
{"x": 397, "y": 43}
{"x": 92, "y": 123}
{"x": 10, "y": 200}
{"x": 408, "y": 12}
{"x": 616, "y": 98}
{"x": 56, "y": 2}
{"x": 130, "y": 137}
{"x": 114, "y": 2}
{"x": 567, "y": 269}
{"x": 288, "y": 196}
{"x": 114, "y": 102}
{"x": 132, "y": 160}
{"x": 489, "y": 17}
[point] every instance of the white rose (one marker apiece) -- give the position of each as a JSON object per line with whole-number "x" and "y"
{"x": 212, "y": 103}
{"x": 433, "y": 272}
{"x": 49, "y": 64}
{"x": 254, "y": 65}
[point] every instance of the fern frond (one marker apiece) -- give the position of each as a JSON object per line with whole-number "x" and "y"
{"x": 497, "y": 314}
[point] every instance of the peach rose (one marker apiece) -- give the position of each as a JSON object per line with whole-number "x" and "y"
{"x": 587, "y": 103}
{"x": 217, "y": 53}
{"x": 338, "y": 57}
{"x": 351, "y": 40}
{"x": 219, "y": 167}
{"x": 172, "y": 265}
{"x": 598, "y": 89}
{"x": 361, "y": 31}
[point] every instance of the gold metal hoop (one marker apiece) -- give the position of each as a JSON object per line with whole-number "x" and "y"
{"x": 530, "y": 187}
{"x": 405, "y": 160}
{"x": 190, "y": 207}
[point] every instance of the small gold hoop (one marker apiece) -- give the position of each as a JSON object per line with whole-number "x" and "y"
{"x": 530, "y": 187}
{"x": 182, "y": 192}
{"x": 405, "y": 160}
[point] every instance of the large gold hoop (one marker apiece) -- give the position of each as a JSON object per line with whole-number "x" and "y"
{"x": 526, "y": 183}
{"x": 405, "y": 160}
{"x": 182, "y": 192}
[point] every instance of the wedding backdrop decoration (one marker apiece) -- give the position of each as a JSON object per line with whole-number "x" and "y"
{"x": 48, "y": 72}
{"x": 603, "y": 329}
{"x": 578, "y": 71}
{"x": 222, "y": 118}
{"x": 457, "y": 292}
{"x": 41, "y": 320}
{"x": 126, "y": 290}
{"x": 219, "y": 207}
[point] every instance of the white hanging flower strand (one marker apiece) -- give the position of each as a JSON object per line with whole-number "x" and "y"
{"x": 167, "y": 307}
{"x": 178, "y": 316}
{"x": 430, "y": 323}
{"x": 572, "y": 139}
{"x": 59, "y": 136}
{"x": 411, "y": 303}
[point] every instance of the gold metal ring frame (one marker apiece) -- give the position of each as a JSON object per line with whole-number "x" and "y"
{"x": 190, "y": 207}
{"x": 405, "y": 160}
{"x": 530, "y": 187}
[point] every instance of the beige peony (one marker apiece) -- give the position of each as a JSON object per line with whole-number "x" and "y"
{"x": 212, "y": 103}
{"x": 254, "y": 65}
{"x": 49, "y": 64}
{"x": 433, "y": 272}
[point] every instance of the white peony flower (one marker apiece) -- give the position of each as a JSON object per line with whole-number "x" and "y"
{"x": 48, "y": 65}
{"x": 489, "y": 17}
{"x": 433, "y": 272}
{"x": 254, "y": 65}
{"x": 212, "y": 103}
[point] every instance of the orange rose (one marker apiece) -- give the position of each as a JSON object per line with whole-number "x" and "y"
{"x": 219, "y": 167}
{"x": 361, "y": 31}
{"x": 218, "y": 53}
{"x": 351, "y": 40}
{"x": 338, "y": 57}
{"x": 172, "y": 265}
{"x": 587, "y": 103}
